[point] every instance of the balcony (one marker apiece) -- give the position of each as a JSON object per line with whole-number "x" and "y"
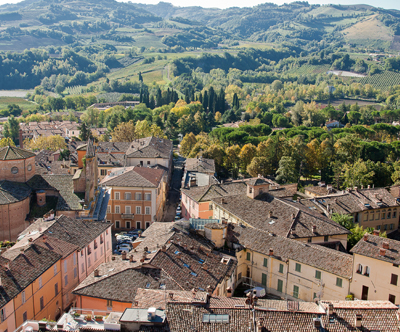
{"x": 127, "y": 215}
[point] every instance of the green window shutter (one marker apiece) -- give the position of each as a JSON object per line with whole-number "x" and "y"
{"x": 280, "y": 285}
{"x": 339, "y": 282}
{"x": 264, "y": 279}
{"x": 248, "y": 256}
{"x": 280, "y": 268}
{"x": 298, "y": 267}
{"x": 296, "y": 291}
{"x": 317, "y": 274}
{"x": 265, "y": 262}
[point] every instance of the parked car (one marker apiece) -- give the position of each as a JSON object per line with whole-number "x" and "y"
{"x": 128, "y": 246}
{"x": 127, "y": 250}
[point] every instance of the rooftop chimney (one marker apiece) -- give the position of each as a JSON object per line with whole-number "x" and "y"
{"x": 270, "y": 214}
{"x": 131, "y": 258}
{"x": 369, "y": 186}
{"x": 358, "y": 320}
{"x": 96, "y": 272}
{"x": 376, "y": 232}
{"x": 382, "y": 252}
{"x": 314, "y": 228}
{"x": 171, "y": 295}
{"x": 164, "y": 248}
{"x": 271, "y": 252}
{"x": 356, "y": 189}
{"x": 123, "y": 255}
{"x": 365, "y": 237}
{"x": 385, "y": 245}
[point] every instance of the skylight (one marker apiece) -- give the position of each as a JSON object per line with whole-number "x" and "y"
{"x": 186, "y": 265}
{"x": 210, "y": 318}
{"x": 201, "y": 261}
{"x": 176, "y": 252}
{"x": 193, "y": 274}
{"x": 148, "y": 285}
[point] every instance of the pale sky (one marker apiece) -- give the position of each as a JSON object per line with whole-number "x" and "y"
{"x": 388, "y": 4}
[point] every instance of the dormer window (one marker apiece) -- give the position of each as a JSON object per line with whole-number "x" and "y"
{"x": 250, "y": 190}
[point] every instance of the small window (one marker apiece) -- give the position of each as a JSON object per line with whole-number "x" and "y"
{"x": 138, "y": 225}
{"x": 265, "y": 262}
{"x": 127, "y": 210}
{"x": 393, "y": 279}
{"x": 14, "y": 170}
{"x": 378, "y": 227}
{"x": 128, "y": 196}
{"x": 250, "y": 190}
{"x": 280, "y": 285}
{"x": 317, "y": 274}
{"x": 108, "y": 208}
{"x": 128, "y": 224}
{"x": 366, "y": 216}
{"x": 41, "y": 303}
{"x": 138, "y": 196}
{"x": 117, "y": 224}
{"x": 83, "y": 267}
{"x": 23, "y": 297}
{"x": 147, "y": 225}
{"x": 138, "y": 210}
{"x": 55, "y": 269}
{"x": 147, "y": 197}
{"x": 295, "y": 291}
{"x": 280, "y": 268}
{"x": 75, "y": 272}
{"x": 394, "y": 214}
{"x": 66, "y": 280}
{"x": 74, "y": 258}
{"x": 389, "y": 215}
{"x": 40, "y": 282}
{"x": 66, "y": 265}
{"x": 116, "y": 196}
{"x": 366, "y": 272}
{"x": 371, "y": 216}
{"x": 359, "y": 269}
{"x": 326, "y": 238}
{"x": 298, "y": 267}
{"x": 117, "y": 209}
{"x": 29, "y": 167}
{"x": 385, "y": 227}
{"x": 147, "y": 210}
{"x": 148, "y": 162}
{"x": 392, "y": 298}
{"x": 25, "y": 316}
{"x": 383, "y": 214}
{"x": 248, "y": 256}
{"x": 391, "y": 226}
{"x": 109, "y": 303}
{"x": 339, "y": 282}
{"x": 210, "y": 206}
{"x": 377, "y": 216}
{"x": 56, "y": 289}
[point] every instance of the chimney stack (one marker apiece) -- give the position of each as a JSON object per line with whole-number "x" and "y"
{"x": 164, "y": 248}
{"x": 171, "y": 296}
{"x": 314, "y": 228}
{"x": 124, "y": 255}
{"x": 131, "y": 258}
{"x": 385, "y": 245}
{"x": 376, "y": 232}
{"x": 271, "y": 252}
{"x": 365, "y": 237}
{"x": 270, "y": 214}
{"x": 369, "y": 186}
{"x": 96, "y": 272}
{"x": 382, "y": 252}
{"x": 358, "y": 321}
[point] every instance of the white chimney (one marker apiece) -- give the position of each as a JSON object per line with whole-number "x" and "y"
{"x": 358, "y": 320}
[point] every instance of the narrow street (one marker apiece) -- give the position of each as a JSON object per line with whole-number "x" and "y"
{"x": 174, "y": 191}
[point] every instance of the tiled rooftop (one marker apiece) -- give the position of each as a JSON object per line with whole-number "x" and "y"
{"x": 134, "y": 177}
{"x": 14, "y": 153}
{"x": 279, "y": 216}
{"x": 12, "y": 192}
{"x": 150, "y": 147}
{"x": 322, "y": 258}
{"x": 371, "y": 248}
{"x": 201, "y": 165}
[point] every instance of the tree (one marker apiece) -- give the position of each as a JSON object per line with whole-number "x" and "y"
{"x": 52, "y": 143}
{"x": 277, "y": 85}
{"x": 357, "y": 234}
{"x": 357, "y": 174}
{"x": 232, "y": 160}
{"x": 217, "y": 153}
{"x": 259, "y": 165}
{"x": 246, "y": 155}
{"x": 85, "y": 132}
{"x": 286, "y": 172}
{"x": 124, "y": 132}
{"x": 218, "y": 117}
{"x": 11, "y": 128}
{"x": 6, "y": 141}
{"x": 187, "y": 144}
{"x": 345, "y": 220}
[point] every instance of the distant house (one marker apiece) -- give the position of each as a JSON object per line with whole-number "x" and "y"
{"x": 333, "y": 124}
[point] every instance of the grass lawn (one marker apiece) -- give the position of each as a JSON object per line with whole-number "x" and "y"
{"x": 24, "y": 104}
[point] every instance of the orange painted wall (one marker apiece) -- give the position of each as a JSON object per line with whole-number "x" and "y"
{"x": 13, "y": 219}
{"x": 81, "y": 154}
{"x": 204, "y": 211}
{"x": 101, "y": 304}
{"x": 23, "y": 174}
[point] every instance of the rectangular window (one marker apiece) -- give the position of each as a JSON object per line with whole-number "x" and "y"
{"x": 147, "y": 197}
{"x": 138, "y": 225}
{"x": 74, "y": 258}
{"x": 326, "y": 238}
{"x": 148, "y": 162}
{"x": 95, "y": 256}
{"x": 23, "y": 297}
{"x": 109, "y": 303}
{"x": 314, "y": 296}
{"x": 385, "y": 227}
{"x": 339, "y": 282}
{"x": 117, "y": 223}
{"x": 280, "y": 285}
{"x": 127, "y": 210}
{"x": 138, "y": 210}
{"x": 389, "y": 215}
{"x": 89, "y": 263}
{"x": 41, "y": 303}
{"x": 317, "y": 274}
{"x": 103, "y": 172}
{"x": 280, "y": 268}
{"x": 56, "y": 289}
{"x": 378, "y": 227}
{"x": 147, "y": 224}
{"x": 248, "y": 256}
{"x": 128, "y": 196}
{"x": 101, "y": 248}
{"x": 383, "y": 214}
{"x": 117, "y": 210}
{"x": 25, "y": 316}
{"x": 116, "y": 196}
{"x": 298, "y": 267}
{"x": 371, "y": 216}
{"x": 2, "y": 315}
{"x": 66, "y": 280}
{"x": 108, "y": 208}
{"x": 83, "y": 267}
{"x": 295, "y": 291}
{"x": 366, "y": 216}
{"x": 40, "y": 282}
{"x": 264, "y": 279}
{"x": 265, "y": 262}
{"x": 65, "y": 266}
{"x": 138, "y": 196}
{"x": 147, "y": 209}
{"x": 394, "y": 214}
{"x": 75, "y": 273}
{"x": 391, "y": 226}
{"x": 55, "y": 269}
{"x": 377, "y": 216}
{"x": 393, "y": 279}
{"x": 392, "y": 298}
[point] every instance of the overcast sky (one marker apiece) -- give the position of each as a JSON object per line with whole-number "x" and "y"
{"x": 389, "y": 4}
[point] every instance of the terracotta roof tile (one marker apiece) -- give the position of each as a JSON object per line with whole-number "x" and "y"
{"x": 14, "y": 153}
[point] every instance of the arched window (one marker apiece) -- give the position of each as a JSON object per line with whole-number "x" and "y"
{"x": 360, "y": 269}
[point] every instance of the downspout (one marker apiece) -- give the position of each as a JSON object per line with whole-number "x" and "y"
{"x": 287, "y": 278}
